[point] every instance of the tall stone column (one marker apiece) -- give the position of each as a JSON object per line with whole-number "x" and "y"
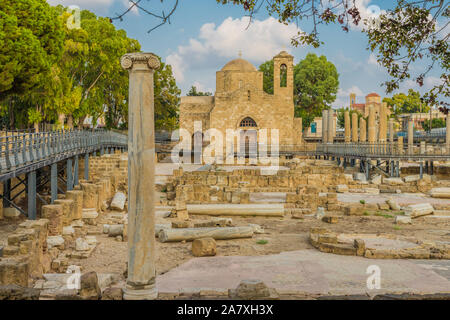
{"x": 372, "y": 128}
{"x": 355, "y": 127}
{"x": 410, "y": 135}
{"x": 330, "y": 126}
{"x": 347, "y": 126}
{"x": 400, "y": 145}
{"x": 383, "y": 123}
{"x": 447, "y": 136}
{"x": 324, "y": 126}
{"x": 141, "y": 177}
{"x": 362, "y": 130}
{"x": 391, "y": 130}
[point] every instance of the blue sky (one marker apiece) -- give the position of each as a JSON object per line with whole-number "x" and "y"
{"x": 204, "y": 35}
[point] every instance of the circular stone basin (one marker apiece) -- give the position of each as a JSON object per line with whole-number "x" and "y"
{"x": 377, "y": 242}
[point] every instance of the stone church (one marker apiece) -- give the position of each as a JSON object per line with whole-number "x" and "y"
{"x": 241, "y": 104}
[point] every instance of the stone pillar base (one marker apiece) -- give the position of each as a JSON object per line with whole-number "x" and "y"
{"x": 147, "y": 293}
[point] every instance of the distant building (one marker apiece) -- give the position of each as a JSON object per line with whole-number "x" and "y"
{"x": 315, "y": 129}
{"x": 372, "y": 99}
{"x": 241, "y": 104}
{"x": 419, "y": 118}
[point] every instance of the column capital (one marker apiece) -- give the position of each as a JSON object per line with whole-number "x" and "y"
{"x": 140, "y": 61}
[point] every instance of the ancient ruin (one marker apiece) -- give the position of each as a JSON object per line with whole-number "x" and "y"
{"x": 127, "y": 222}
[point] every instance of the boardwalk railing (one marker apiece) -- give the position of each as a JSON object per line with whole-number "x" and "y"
{"x": 383, "y": 150}
{"x": 22, "y": 149}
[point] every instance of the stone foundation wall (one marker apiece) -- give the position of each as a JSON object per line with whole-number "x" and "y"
{"x": 35, "y": 247}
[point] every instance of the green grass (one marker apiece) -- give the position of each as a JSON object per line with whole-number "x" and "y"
{"x": 379, "y": 214}
{"x": 397, "y": 228}
{"x": 262, "y": 242}
{"x": 366, "y": 213}
{"x": 362, "y": 201}
{"x": 164, "y": 189}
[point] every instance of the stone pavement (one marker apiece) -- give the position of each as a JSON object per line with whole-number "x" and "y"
{"x": 402, "y": 199}
{"x": 308, "y": 272}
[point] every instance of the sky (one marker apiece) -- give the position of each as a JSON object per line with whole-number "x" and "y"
{"x": 204, "y": 35}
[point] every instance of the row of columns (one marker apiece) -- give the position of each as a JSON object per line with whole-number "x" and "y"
{"x": 352, "y": 134}
{"x": 328, "y": 126}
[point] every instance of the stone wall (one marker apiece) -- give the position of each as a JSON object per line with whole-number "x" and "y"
{"x": 36, "y": 247}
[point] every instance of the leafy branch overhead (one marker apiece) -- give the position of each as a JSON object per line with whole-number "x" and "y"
{"x": 137, "y": 5}
{"x": 407, "y": 32}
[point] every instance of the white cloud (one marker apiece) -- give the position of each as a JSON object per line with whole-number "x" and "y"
{"x": 201, "y": 87}
{"x": 343, "y": 97}
{"x": 367, "y": 10}
{"x": 127, "y": 4}
{"x": 215, "y": 45}
{"x": 372, "y": 60}
{"x": 428, "y": 83}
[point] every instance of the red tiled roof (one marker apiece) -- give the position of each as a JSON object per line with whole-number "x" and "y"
{"x": 373, "y": 94}
{"x": 359, "y": 106}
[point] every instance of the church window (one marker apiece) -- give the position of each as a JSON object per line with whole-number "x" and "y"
{"x": 248, "y": 122}
{"x": 283, "y": 75}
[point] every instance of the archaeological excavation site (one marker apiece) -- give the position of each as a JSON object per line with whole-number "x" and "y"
{"x": 109, "y": 215}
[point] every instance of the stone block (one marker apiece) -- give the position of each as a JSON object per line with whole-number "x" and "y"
{"x": 327, "y": 238}
{"x": 253, "y": 290}
{"x": 77, "y": 197}
{"x": 182, "y": 215}
{"x": 10, "y": 250}
{"x": 443, "y": 193}
{"x": 372, "y": 190}
{"x": 358, "y": 176}
{"x": 90, "y": 196}
{"x": 118, "y": 202}
{"x": 180, "y": 224}
{"x": 376, "y": 179}
{"x": 11, "y": 213}
{"x": 412, "y": 178}
{"x": 204, "y": 247}
{"x": 393, "y": 181}
{"x": 81, "y": 245}
{"x": 403, "y": 220}
{"x": 16, "y": 292}
{"x": 330, "y": 219}
{"x": 69, "y": 210}
{"x": 360, "y": 247}
{"x": 392, "y": 204}
{"x": 54, "y": 214}
{"x": 89, "y": 287}
{"x": 418, "y": 210}
{"x": 354, "y": 209}
{"x": 341, "y": 188}
{"x": 89, "y": 213}
{"x": 115, "y": 230}
{"x": 14, "y": 272}
{"x": 55, "y": 241}
{"x": 112, "y": 294}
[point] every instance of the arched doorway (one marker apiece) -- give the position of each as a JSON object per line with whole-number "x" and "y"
{"x": 248, "y": 138}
